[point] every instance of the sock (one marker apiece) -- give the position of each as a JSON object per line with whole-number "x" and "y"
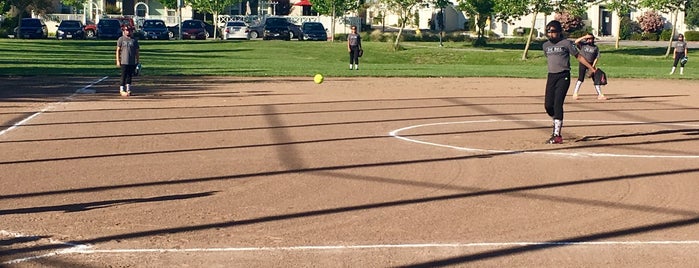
{"x": 121, "y": 88}
{"x": 673, "y": 70}
{"x": 681, "y": 70}
{"x": 599, "y": 90}
{"x": 350, "y": 66}
{"x": 356, "y": 66}
{"x": 557, "y": 125}
{"x": 128, "y": 87}
{"x": 577, "y": 87}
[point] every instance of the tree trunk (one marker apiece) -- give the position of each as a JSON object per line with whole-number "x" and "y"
{"x": 215, "y": 24}
{"x": 529, "y": 39}
{"x": 400, "y": 31}
{"x": 332, "y": 25}
{"x": 618, "y": 31}
{"x": 674, "y": 22}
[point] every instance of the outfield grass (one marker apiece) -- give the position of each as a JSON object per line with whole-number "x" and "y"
{"x": 294, "y": 58}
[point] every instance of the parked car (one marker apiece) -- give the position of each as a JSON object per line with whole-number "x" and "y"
{"x": 154, "y": 29}
{"x": 109, "y": 29}
{"x": 193, "y": 29}
{"x": 210, "y": 30}
{"x": 314, "y": 31}
{"x": 127, "y": 22}
{"x": 32, "y": 28}
{"x": 256, "y": 30}
{"x": 281, "y": 28}
{"x": 70, "y": 29}
{"x": 236, "y": 30}
{"x": 90, "y": 29}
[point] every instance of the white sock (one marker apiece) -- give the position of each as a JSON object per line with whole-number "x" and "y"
{"x": 356, "y": 66}
{"x": 681, "y": 70}
{"x": 673, "y": 70}
{"x": 128, "y": 87}
{"x": 577, "y": 87}
{"x": 121, "y": 88}
{"x": 351, "y": 66}
{"x": 599, "y": 89}
{"x": 557, "y": 125}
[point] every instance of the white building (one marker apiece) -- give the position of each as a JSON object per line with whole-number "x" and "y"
{"x": 603, "y": 21}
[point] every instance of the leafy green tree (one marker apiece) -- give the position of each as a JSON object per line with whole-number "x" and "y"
{"x": 673, "y": 7}
{"x": 75, "y": 4}
{"x": 508, "y": 10}
{"x": 214, "y": 7}
{"x": 405, "y": 10}
{"x": 334, "y": 9}
{"x": 621, "y": 8}
{"x": 441, "y": 4}
{"x": 170, "y": 4}
{"x": 482, "y": 10}
{"x": 692, "y": 14}
{"x": 41, "y": 6}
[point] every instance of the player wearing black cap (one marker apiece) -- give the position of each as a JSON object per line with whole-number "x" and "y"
{"x": 557, "y": 51}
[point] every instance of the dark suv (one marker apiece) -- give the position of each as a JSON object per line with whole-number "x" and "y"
{"x": 70, "y": 29}
{"x": 155, "y": 29}
{"x": 109, "y": 29}
{"x": 32, "y": 28}
{"x": 280, "y": 28}
{"x": 314, "y": 31}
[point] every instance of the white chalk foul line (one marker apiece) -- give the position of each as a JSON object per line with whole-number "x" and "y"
{"x": 49, "y": 106}
{"x": 395, "y": 133}
{"x": 71, "y": 247}
{"x": 87, "y": 249}
{"x": 388, "y": 246}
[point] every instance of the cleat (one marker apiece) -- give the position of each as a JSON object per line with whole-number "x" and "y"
{"x": 555, "y": 140}
{"x": 575, "y": 96}
{"x": 601, "y": 97}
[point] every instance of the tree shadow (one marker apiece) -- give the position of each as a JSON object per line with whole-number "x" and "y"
{"x": 79, "y": 207}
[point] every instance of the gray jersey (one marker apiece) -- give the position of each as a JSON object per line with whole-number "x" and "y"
{"x": 680, "y": 46}
{"x": 127, "y": 50}
{"x": 590, "y": 52}
{"x": 558, "y": 55}
{"x": 354, "y": 39}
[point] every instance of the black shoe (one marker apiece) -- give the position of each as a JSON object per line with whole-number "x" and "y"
{"x": 555, "y": 139}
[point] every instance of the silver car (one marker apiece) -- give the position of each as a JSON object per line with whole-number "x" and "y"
{"x": 236, "y": 30}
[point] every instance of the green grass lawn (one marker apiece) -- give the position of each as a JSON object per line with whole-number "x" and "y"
{"x": 295, "y": 58}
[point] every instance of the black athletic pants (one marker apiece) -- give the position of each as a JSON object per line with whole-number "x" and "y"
{"x": 557, "y": 85}
{"x": 680, "y": 55}
{"x": 127, "y": 72}
{"x": 582, "y": 69}
{"x": 354, "y": 54}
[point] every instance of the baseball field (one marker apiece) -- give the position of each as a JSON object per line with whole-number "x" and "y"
{"x": 370, "y": 168}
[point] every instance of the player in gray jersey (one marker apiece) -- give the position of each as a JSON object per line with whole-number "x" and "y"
{"x": 354, "y": 45}
{"x": 127, "y": 58}
{"x": 557, "y": 51}
{"x": 680, "y": 52}
{"x": 589, "y": 51}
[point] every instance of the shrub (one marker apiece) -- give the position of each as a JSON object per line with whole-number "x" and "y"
{"x": 569, "y": 22}
{"x": 691, "y": 36}
{"x": 628, "y": 28}
{"x": 651, "y": 36}
{"x": 522, "y": 31}
{"x": 636, "y": 36}
{"x": 651, "y": 22}
{"x": 578, "y": 33}
{"x": 8, "y": 26}
{"x": 665, "y": 35}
